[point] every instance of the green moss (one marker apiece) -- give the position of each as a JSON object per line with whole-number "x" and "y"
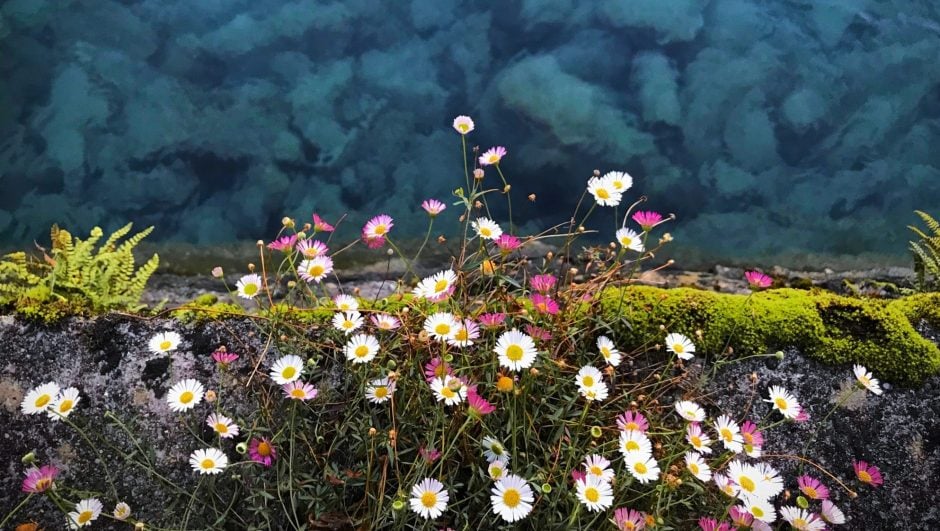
{"x": 195, "y": 312}
{"x": 828, "y": 327}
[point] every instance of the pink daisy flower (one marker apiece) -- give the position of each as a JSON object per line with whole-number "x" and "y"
{"x": 312, "y": 248}
{"x": 867, "y": 473}
{"x": 757, "y": 280}
{"x": 537, "y": 333}
{"x": 543, "y": 283}
{"x": 578, "y": 475}
{"x": 298, "y": 390}
{"x": 478, "y": 405}
{"x": 429, "y": 455}
{"x": 802, "y": 416}
{"x": 284, "y": 243}
{"x": 262, "y": 450}
{"x": 812, "y": 487}
{"x": 436, "y": 368}
{"x": 492, "y": 156}
{"x": 710, "y": 524}
{"x": 629, "y": 519}
{"x": 544, "y": 304}
{"x": 319, "y": 225}
{"x": 433, "y": 207}
{"x": 740, "y": 517}
{"x": 39, "y": 479}
{"x": 492, "y": 320}
{"x": 753, "y": 438}
{"x": 384, "y": 321}
{"x": 646, "y": 219}
{"x": 224, "y": 357}
{"x": 507, "y": 243}
{"x": 377, "y": 228}
{"x": 373, "y": 243}
{"x": 632, "y": 421}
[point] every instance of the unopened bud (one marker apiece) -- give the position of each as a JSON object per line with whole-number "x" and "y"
{"x": 217, "y": 272}
{"x": 306, "y": 228}
{"x": 477, "y": 204}
{"x": 291, "y": 284}
{"x": 372, "y": 432}
{"x": 251, "y": 267}
{"x": 507, "y": 188}
{"x": 441, "y": 239}
{"x": 260, "y": 243}
{"x": 210, "y": 396}
{"x": 287, "y": 222}
{"x": 802, "y": 502}
{"x": 597, "y": 173}
{"x": 478, "y": 173}
{"x": 780, "y": 355}
{"x": 29, "y": 458}
{"x": 533, "y": 371}
{"x": 398, "y": 505}
{"x": 392, "y": 434}
{"x": 546, "y": 488}
{"x": 532, "y": 197}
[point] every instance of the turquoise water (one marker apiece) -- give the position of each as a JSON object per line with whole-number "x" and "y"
{"x": 768, "y": 127}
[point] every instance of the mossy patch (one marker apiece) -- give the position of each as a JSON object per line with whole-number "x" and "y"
{"x": 831, "y": 328}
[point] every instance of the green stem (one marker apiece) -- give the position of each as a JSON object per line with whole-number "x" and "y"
{"x": 15, "y": 510}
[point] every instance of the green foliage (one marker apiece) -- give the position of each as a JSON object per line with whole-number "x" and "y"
{"x": 77, "y": 275}
{"x": 833, "y": 329}
{"x": 926, "y": 252}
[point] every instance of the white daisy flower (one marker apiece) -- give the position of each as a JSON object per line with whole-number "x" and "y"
{"x": 516, "y": 350}
{"x": 122, "y": 511}
{"x": 591, "y": 383}
{"x": 384, "y": 321}
{"x": 642, "y": 466}
{"x": 380, "y": 390}
{"x": 632, "y": 442}
{"x": 487, "y": 229}
{"x": 729, "y": 433}
{"x": 287, "y": 369}
{"x": 603, "y": 191}
{"x": 428, "y": 498}
{"x": 608, "y": 351}
{"x": 64, "y": 403}
{"x": 801, "y": 519}
{"x": 441, "y": 326}
{"x": 185, "y": 395}
{"x": 347, "y": 322}
{"x": 865, "y": 378}
{"x": 629, "y": 239}
{"x": 249, "y": 286}
{"x": 619, "y": 180}
{"x": 164, "y": 342}
{"x": 784, "y": 402}
{"x": 594, "y": 493}
{"x": 697, "y": 466}
{"x": 39, "y": 398}
{"x": 750, "y": 481}
{"x": 699, "y": 440}
{"x": 512, "y": 498}
{"x": 450, "y": 390}
{"x": 760, "y": 509}
{"x": 436, "y": 286}
{"x": 315, "y": 269}
{"x": 497, "y": 468}
{"x": 222, "y": 426}
{"x": 725, "y": 485}
{"x": 346, "y": 303}
{"x": 361, "y": 348}
{"x": 831, "y": 513}
{"x": 86, "y": 512}
{"x": 595, "y": 465}
{"x": 493, "y": 449}
{"x": 690, "y": 411}
{"x": 681, "y": 346}
{"x": 208, "y": 461}
{"x": 773, "y": 483}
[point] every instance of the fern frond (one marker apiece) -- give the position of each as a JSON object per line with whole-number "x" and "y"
{"x": 118, "y": 234}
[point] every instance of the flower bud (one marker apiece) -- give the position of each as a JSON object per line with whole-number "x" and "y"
{"x": 372, "y": 432}
{"x": 448, "y": 357}
{"x": 532, "y": 197}
{"x": 251, "y": 267}
{"x": 391, "y": 365}
{"x": 478, "y": 174}
{"x": 398, "y": 505}
{"x": 287, "y": 222}
{"x": 546, "y": 488}
{"x": 780, "y": 355}
{"x": 507, "y": 188}
{"x": 29, "y": 458}
{"x": 210, "y": 396}
{"x": 802, "y": 502}
{"x": 217, "y": 272}
{"x": 596, "y": 432}
{"x": 441, "y": 239}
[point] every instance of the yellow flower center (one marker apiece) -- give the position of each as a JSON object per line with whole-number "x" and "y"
{"x": 696, "y": 441}
{"x": 693, "y": 468}
{"x": 463, "y": 128}
{"x": 264, "y": 449}
{"x": 207, "y": 464}
{"x": 514, "y": 352}
{"x": 442, "y": 329}
{"x": 605, "y": 352}
{"x": 748, "y": 437}
{"x": 485, "y": 231}
{"x": 429, "y": 499}
{"x": 811, "y": 492}
{"x": 629, "y": 526}
{"x": 289, "y": 372}
{"x": 222, "y": 428}
{"x": 165, "y": 345}
{"x": 298, "y": 393}
{"x": 43, "y": 484}
{"x": 496, "y": 449}
{"x": 362, "y": 351}
{"x": 757, "y": 511}
{"x": 511, "y": 498}
{"x": 864, "y": 379}
{"x": 250, "y": 289}
{"x": 496, "y": 472}
{"x": 640, "y": 467}
{"x": 632, "y": 426}
{"x": 316, "y": 270}
{"x": 617, "y": 184}
{"x": 381, "y": 392}
{"x": 65, "y": 406}
{"x": 592, "y": 494}
{"x": 690, "y": 413}
{"x": 596, "y": 470}
{"x": 747, "y": 483}
{"x": 632, "y": 445}
{"x": 85, "y": 517}
{"x": 799, "y": 523}
{"x": 348, "y": 324}
{"x": 461, "y": 335}
{"x": 440, "y": 286}
{"x": 780, "y": 403}
{"x": 493, "y": 159}
{"x": 864, "y": 476}
{"x": 43, "y": 400}
{"x": 504, "y": 384}
{"x": 603, "y": 194}
{"x": 380, "y": 229}
{"x": 588, "y": 381}
{"x": 447, "y": 392}
{"x": 727, "y": 435}
{"x": 187, "y": 397}
{"x": 678, "y": 348}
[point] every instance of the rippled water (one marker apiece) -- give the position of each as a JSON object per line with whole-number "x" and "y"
{"x": 768, "y": 127}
